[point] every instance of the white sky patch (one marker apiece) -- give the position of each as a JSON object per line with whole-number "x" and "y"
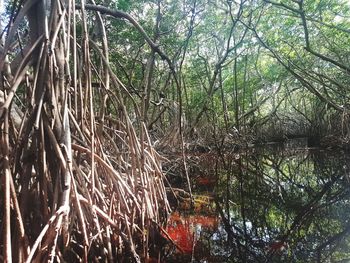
{"x": 338, "y": 18}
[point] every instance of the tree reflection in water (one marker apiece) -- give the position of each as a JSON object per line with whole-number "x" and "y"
{"x": 275, "y": 205}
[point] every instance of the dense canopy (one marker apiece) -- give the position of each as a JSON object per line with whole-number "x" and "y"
{"x": 90, "y": 92}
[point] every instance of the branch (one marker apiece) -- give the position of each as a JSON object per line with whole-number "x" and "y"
{"x": 303, "y": 81}
{"x": 330, "y": 60}
{"x": 13, "y": 29}
{"x": 303, "y": 20}
{"x": 282, "y": 5}
{"x": 123, "y": 15}
{"x": 308, "y": 48}
{"x": 344, "y": 30}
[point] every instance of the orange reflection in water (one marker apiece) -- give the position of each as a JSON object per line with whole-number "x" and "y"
{"x": 182, "y": 229}
{"x": 205, "y": 181}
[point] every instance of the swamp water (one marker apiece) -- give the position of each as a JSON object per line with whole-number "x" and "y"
{"x": 271, "y": 204}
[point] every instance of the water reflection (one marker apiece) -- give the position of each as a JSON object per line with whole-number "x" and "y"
{"x": 269, "y": 205}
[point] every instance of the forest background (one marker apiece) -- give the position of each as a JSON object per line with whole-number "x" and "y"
{"x": 90, "y": 90}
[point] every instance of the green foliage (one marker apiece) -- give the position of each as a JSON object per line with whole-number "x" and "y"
{"x": 273, "y": 71}
{"x": 124, "y": 5}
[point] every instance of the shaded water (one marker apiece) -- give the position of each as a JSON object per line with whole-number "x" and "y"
{"x": 277, "y": 204}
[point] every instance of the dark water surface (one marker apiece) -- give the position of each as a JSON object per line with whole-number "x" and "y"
{"x": 275, "y": 204}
